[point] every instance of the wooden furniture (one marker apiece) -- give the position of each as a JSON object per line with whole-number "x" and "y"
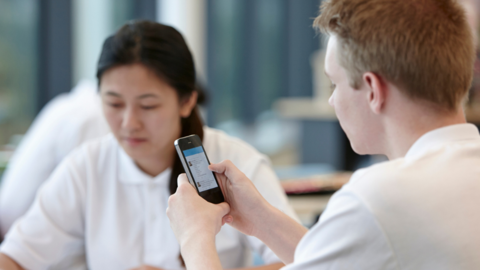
{"x": 316, "y": 190}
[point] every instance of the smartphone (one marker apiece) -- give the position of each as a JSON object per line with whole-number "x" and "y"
{"x": 195, "y": 162}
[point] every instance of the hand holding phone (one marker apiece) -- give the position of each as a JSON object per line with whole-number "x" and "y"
{"x": 195, "y": 222}
{"x": 195, "y": 162}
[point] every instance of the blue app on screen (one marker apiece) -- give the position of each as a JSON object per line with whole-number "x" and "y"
{"x": 198, "y": 164}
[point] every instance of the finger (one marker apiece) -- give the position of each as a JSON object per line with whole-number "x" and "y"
{"x": 227, "y": 219}
{"x": 182, "y": 179}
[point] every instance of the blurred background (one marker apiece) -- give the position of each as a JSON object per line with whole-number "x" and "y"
{"x": 260, "y": 61}
{"x": 254, "y": 57}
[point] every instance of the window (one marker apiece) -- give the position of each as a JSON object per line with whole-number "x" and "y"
{"x": 258, "y": 51}
{"x": 18, "y": 66}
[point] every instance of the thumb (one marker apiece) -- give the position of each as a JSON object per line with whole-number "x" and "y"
{"x": 182, "y": 179}
{"x": 227, "y": 168}
{"x": 218, "y": 167}
{"x": 224, "y": 208}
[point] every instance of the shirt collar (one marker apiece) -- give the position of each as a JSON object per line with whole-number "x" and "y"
{"x": 128, "y": 171}
{"x": 453, "y": 133}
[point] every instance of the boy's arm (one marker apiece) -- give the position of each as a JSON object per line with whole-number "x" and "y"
{"x": 196, "y": 222}
{"x": 7, "y": 263}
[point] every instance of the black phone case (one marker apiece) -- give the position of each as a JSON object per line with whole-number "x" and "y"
{"x": 214, "y": 195}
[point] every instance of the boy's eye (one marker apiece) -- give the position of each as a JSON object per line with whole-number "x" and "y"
{"x": 149, "y": 107}
{"x": 332, "y": 86}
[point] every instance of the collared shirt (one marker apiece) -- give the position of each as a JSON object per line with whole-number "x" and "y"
{"x": 417, "y": 212}
{"x": 98, "y": 210}
{"x": 65, "y": 123}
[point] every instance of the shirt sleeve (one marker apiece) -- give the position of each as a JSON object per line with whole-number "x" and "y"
{"x": 347, "y": 237}
{"x": 30, "y": 166}
{"x": 51, "y": 233}
{"x": 268, "y": 185}
{"x": 60, "y": 128}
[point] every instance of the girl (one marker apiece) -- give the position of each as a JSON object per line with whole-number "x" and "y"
{"x": 104, "y": 206}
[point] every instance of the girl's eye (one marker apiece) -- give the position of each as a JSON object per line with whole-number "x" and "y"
{"x": 332, "y": 86}
{"x": 149, "y": 107}
{"x": 115, "y": 105}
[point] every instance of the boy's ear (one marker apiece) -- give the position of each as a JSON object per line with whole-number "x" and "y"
{"x": 377, "y": 91}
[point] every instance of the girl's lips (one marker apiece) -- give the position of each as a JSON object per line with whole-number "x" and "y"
{"x": 134, "y": 141}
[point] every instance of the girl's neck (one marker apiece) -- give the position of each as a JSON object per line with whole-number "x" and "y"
{"x": 155, "y": 166}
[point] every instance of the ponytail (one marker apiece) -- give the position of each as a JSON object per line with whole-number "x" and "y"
{"x": 190, "y": 125}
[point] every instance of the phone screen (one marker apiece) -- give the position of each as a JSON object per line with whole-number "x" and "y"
{"x": 197, "y": 162}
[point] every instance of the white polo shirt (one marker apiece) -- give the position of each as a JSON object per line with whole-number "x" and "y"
{"x": 65, "y": 123}
{"x": 98, "y": 210}
{"x": 417, "y": 212}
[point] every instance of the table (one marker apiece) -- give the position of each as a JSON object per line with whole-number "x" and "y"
{"x": 308, "y": 207}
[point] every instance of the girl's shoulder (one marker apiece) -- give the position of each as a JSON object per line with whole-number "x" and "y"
{"x": 96, "y": 153}
{"x": 221, "y": 146}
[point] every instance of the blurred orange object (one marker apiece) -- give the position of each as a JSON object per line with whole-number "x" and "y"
{"x": 325, "y": 183}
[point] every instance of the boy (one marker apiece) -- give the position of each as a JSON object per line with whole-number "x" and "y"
{"x": 401, "y": 71}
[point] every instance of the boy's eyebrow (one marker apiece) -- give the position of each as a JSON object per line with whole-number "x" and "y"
{"x": 326, "y": 73}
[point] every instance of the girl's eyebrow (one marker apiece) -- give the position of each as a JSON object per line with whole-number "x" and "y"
{"x": 113, "y": 94}
{"x": 110, "y": 93}
{"x": 147, "y": 96}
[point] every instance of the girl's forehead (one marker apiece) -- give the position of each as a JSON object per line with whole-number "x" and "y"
{"x": 134, "y": 81}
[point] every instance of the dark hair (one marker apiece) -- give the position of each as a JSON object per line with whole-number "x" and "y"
{"x": 163, "y": 50}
